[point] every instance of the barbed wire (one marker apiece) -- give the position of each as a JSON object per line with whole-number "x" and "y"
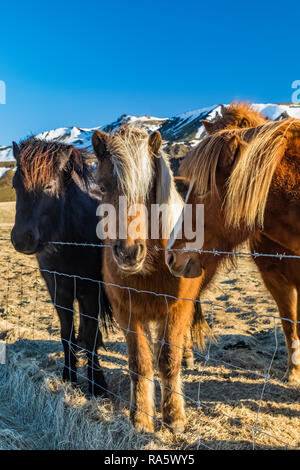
{"x": 214, "y": 252}
{"x": 73, "y": 347}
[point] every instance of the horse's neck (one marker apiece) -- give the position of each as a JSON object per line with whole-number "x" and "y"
{"x": 282, "y": 213}
{"x": 172, "y": 210}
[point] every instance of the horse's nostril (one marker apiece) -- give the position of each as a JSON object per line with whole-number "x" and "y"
{"x": 30, "y": 237}
{"x": 116, "y": 250}
{"x": 170, "y": 259}
{"x": 140, "y": 251}
{"x": 119, "y": 251}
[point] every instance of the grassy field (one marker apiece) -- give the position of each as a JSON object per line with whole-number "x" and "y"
{"x": 7, "y": 192}
{"x": 39, "y": 411}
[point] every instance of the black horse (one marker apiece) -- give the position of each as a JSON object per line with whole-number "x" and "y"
{"x": 55, "y": 203}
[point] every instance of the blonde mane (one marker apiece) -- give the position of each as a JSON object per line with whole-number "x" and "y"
{"x": 199, "y": 166}
{"x": 128, "y": 148}
{"x": 248, "y": 185}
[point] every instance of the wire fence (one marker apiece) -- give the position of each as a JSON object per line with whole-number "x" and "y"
{"x": 23, "y": 292}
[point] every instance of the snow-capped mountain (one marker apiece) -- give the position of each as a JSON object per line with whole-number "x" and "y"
{"x": 180, "y": 132}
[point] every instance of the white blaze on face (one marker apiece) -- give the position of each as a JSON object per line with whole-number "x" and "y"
{"x": 175, "y": 210}
{"x": 177, "y": 230}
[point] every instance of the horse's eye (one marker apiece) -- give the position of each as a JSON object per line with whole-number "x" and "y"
{"x": 48, "y": 187}
{"x": 102, "y": 188}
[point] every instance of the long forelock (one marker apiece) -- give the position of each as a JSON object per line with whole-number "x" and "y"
{"x": 40, "y": 162}
{"x": 132, "y": 163}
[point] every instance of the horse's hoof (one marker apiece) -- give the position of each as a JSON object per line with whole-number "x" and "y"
{"x": 69, "y": 376}
{"x": 97, "y": 383}
{"x": 98, "y": 390}
{"x": 293, "y": 378}
{"x": 143, "y": 424}
{"x": 188, "y": 362}
{"x": 177, "y": 426}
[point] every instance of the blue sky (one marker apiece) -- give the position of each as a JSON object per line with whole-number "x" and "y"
{"x": 85, "y": 63}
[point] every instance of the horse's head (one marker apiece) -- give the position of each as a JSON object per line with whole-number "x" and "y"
{"x": 131, "y": 171}
{"x": 41, "y": 181}
{"x": 206, "y": 169}
{"x": 236, "y": 115}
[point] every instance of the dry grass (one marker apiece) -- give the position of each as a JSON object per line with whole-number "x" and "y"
{"x": 39, "y": 411}
{"x": 7, "y": 193}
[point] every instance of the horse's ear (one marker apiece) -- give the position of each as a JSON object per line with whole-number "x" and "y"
{"x": 244, "y": 123}
{"x": 99, "y": 141}
{"x": 64, "y": 159}
{"x": 208, "y": 125}
{"x": 223, "y": 109}
{"x": 231, "y": 151}
{"x": 155, "y": 142}
{"x": 16, "y": 151}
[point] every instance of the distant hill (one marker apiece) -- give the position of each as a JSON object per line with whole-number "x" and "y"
{"x": 180, "y": 132}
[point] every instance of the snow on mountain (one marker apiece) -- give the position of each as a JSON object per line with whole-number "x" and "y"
{"x": 180, "y": 132}
{"x": 6, "y": 154}
{"x": 70, "y": 135}
{"x": 278, "y": 111}
{"x": 148, "y": 123}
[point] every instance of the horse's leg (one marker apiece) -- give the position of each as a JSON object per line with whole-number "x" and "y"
{"x": 294, "y": 375}
{"x": 188, "y": 356}
{"x": 68, "y": 340}
{"x": 169, "y": 361}
{"x": 285, "y": 295}
{"x": 88, "y": 307}
{"x": 278, "y": 278}
{"x": 141, "y": 373}
{"x": 61, "y": 291}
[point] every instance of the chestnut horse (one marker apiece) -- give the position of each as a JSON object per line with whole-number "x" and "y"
{"x": 280, "y": 276}
{"x": 133, "y": 168}
{"x": 248, "y": 180}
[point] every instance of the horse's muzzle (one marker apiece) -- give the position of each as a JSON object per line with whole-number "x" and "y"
{"x": 130, "y": 258}
{"x": 25, "y": 242}
{"x": 188, "y": 269}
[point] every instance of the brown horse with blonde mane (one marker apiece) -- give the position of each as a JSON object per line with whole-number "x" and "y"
{"x": 131, "y": 164}
{"x": 248, "y": 180}
{"x": 280, "y": 276}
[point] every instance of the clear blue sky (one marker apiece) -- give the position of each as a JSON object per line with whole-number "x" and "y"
{"x": 85, "y": 63}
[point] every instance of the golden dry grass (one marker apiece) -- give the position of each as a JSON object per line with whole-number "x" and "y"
{"x": 39, "y": 411}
